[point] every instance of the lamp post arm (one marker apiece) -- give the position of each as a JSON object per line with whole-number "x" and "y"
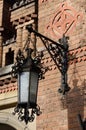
{"x": 30, "y": 29}
{"x": 59, "y": 53}
{"x": 45, "y": 42}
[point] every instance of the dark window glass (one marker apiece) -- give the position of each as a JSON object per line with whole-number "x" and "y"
{"x": 9, "y": 58}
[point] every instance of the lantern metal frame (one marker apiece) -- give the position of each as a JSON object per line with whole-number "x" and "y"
{"x": 26, "y": 111}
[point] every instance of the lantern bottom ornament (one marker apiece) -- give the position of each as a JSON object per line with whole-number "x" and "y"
{"x": 25, "y": 114}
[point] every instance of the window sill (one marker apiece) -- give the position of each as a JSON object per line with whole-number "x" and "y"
{"x": 6, "y": 70}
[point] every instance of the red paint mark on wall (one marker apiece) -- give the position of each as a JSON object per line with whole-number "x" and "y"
{"x": 63, "y": 21}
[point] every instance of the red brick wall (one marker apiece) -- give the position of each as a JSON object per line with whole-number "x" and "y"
{"x": 58, "y": 113}
{"x": 54, "y": 19}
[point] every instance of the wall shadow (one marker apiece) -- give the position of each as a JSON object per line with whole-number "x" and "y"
{"x": 76, "y": 102}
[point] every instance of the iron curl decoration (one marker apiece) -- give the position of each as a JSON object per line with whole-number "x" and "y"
{"x": 20, "y": 60}
{"x": 59, "y": 53}
{"x": 26, "y": 114}
{"x": 18, "y": 64}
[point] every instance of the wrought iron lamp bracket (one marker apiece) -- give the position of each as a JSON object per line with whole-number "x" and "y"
{"x": 59, "y": 53}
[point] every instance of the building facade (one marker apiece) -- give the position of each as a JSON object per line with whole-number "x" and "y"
{"x": 52, "y": 18}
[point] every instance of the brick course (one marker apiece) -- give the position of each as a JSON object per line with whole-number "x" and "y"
{"x": 58, "y": 113}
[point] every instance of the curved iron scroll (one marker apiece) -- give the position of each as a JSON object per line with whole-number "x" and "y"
{"x": 59, "y": 53}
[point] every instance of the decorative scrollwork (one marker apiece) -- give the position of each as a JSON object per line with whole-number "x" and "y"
{"x": 63, "y": 21}
{"x": 19, "y": 62}
{"x": 26, "y": 114}
{"x": 59, "y": 53}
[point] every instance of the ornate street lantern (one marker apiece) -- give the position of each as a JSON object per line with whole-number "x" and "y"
{"x": 28, "y": 78}
{"x": 28, "y": 73}
{"x": 30, "y": 70}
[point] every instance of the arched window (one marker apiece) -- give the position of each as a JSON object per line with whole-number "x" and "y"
{"x": 6, "y": 127}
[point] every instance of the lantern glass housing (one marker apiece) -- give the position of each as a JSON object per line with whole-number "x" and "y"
{"x": 28, "y": 84}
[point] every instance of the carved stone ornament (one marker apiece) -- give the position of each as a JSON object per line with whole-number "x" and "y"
{"x": 63, "y": 21}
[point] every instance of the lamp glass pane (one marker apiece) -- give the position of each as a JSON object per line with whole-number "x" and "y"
{"x": 23, "y": 85}
{"x": 33, "y": 88}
